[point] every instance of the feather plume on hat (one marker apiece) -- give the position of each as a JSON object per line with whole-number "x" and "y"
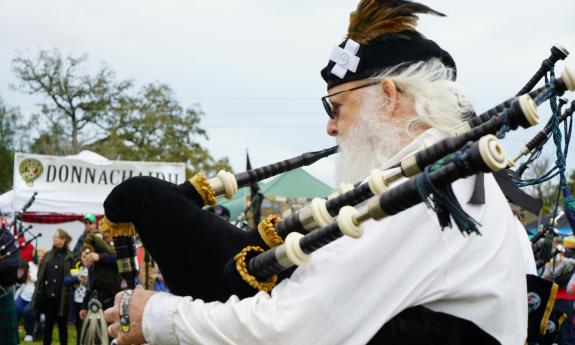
{"x": 373, "y": 18}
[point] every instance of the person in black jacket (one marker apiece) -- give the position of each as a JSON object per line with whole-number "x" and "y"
{"x": 103, "y": 278}
{"x": 51, "y": 296}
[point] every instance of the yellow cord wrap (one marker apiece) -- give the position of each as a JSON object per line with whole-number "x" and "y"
{"x": 116, "y": 229}
{"x": 267, "y": 230}
{"x": 548, "y": 309}
{"x": 241, "y": 267}
{"x": 200, "y": 183}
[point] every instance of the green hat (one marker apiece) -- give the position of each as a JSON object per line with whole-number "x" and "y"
{"x": 91, "y": 217}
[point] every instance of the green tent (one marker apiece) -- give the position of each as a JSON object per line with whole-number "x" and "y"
{"x": 297, "y": 183}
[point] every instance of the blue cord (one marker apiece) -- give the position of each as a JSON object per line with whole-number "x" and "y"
{"x": 442, "y": 200}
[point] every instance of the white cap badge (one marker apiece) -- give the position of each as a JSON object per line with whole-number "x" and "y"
{"x": 345, "y": 59}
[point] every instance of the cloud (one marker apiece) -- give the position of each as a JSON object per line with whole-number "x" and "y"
{"x": 253, "y": 65}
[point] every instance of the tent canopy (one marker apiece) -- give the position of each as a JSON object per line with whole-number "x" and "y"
{"x": 78, "y": 183}
{"x": 296, "y": 183}
{"x": 6, "y": 201}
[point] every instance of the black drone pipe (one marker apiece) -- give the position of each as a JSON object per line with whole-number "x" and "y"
{"x": 558, "y": 85}
{"x": 24, "y": 208}
{"x": 480, "y": 158}
{"x": 557, "y": 53}
{"x": 248, "y": 177}
{"x": 22, "y": 245}
{"x": 29, "y": 203}
{"x": 519, "y": 114}
{"x": 542, "y": 135}
{"x": 554, "y": 253}
{"x": 224, "y": 183}
{"x": 18, "y": 214}
{"x": 540, "y": 234}
{"x": 14, "y": 239}
{"x": 227, "y": 184}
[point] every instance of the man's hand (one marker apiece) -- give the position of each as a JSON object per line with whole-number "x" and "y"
{"x": 95, "y": 257}
{"x": 135, "y": 311}
{"x": 83, "y": 314}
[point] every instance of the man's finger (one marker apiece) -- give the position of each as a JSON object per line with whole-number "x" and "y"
{"x": 122, "y": 339}
{"x": 113, "y": 329}
{"x": 112, "y": 314}
{"x": 117, "y": 298}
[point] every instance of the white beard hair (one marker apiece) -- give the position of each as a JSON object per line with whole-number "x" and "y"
{"x": 369, "y": 143}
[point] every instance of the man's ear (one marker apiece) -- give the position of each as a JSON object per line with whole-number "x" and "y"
{"x": 389, "y": 91}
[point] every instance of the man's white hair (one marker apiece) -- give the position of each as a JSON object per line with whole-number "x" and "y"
{"x": 439, "y": 101}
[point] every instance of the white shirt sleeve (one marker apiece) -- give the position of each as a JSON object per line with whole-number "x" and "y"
{"x": 345, "y": 294}
{"x": 350, "y": 288}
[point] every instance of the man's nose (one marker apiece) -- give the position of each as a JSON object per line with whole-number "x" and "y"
{"x": 332, "y": 128}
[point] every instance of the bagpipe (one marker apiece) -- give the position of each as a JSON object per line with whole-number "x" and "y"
{"x": 544, "y": 321}
{"x": 485, "y": 155}
{"x": 123, "y": 217}
{"x": 10, "y": 245}
{"x": 203, "y": 256}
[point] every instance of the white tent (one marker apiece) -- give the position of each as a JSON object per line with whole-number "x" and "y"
{"x": 63, "y": 200}
{"x": 79, "y": 183}
{"x": 72, "y": 186}
{"x": 6, "y": 201}
{"x": 11, "y": 201}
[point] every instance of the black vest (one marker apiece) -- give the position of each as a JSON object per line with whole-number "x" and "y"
{"x": 420, "y": 325}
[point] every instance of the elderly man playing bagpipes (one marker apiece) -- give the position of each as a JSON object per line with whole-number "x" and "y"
{"x": 411, "y": 278}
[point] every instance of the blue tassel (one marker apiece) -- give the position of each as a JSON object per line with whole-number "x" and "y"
{"x": 443, "y": 200}
{"x": 569, "y": 205}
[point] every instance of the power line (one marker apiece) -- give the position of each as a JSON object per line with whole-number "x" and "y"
{"x": 262, "y": 127}
{"x": 235, "y": 99}
{"x": 273, "y": 115}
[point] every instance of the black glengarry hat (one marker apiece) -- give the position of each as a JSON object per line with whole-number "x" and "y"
{"x": 381, "y": 34}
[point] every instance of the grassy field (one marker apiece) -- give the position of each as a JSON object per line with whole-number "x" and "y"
{"x": 55, "y": 339}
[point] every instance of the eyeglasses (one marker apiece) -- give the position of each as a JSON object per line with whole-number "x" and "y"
{"x": 327, "y": 104}
{"x": 88, "y": 222}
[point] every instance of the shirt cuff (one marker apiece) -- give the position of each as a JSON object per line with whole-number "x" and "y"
{"x": 158, "y": 319}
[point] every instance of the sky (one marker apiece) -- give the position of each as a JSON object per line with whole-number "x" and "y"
{"x": 253, "y": 65}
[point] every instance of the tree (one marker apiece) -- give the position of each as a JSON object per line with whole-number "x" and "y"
{"x": 51, "y": 142}
{"x": 12, "y": 137}
{"x": 97, "y": 112}
{"x": 153, "y": 126}
{"x": 546, "y": 191}
{"x": 76, "y": 102}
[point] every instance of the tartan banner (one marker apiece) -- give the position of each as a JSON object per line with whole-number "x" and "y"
{"x": 53, "y": 218}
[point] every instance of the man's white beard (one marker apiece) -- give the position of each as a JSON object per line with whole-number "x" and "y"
{"x": 369, "y": 143}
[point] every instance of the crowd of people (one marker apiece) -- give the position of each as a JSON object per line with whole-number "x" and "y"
{"x": 56, "y": 286}
{"x": 557, "y": 264}
{"x": 423, "y": 275}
